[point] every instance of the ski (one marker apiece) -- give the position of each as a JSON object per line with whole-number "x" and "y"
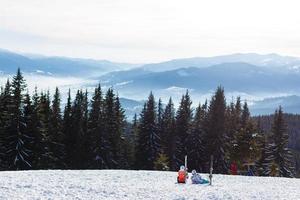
{"x": 211, "y": 169}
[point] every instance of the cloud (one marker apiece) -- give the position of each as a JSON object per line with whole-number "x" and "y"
{"x": 150, "y": 31}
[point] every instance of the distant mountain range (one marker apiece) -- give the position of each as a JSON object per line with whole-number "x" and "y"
{"x": 290, "y": 104}
{"x": 267, "y": 60}
{"x": 61, "y": 66}
{"x": 252, "y": 76}
{"x": 234, "y": 77}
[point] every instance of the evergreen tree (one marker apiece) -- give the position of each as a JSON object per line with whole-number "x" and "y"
{"x": 160, "y": 111}
{"x": 17, "y": 140}
{"x": 245, "y": 136}
{"x": 215, "y": 136}
{"x": 32, "y": 121}
{"x": 148, "y": 139}
{"x": 5, "y": 115}
{"x": 125, "y": 148}
{"x": 111, "y": 135}
{"x": 69, "y": 139}
{"x": 56, "y": 134}
{"x": 45, "y": 157}
{"x": 133, "y": 139}
{"x": 78, "y": 152}
{"x": 182, "y": 128}
{"x": 233, "y": 126}
{"x": 95, "y": 130}
{"x": 162, "y": 162}
{"x": 168, "y": 134}
{"x": 195, "y": 140}
{"x": 262, "y": 163}
{"x": 281, "y": 152}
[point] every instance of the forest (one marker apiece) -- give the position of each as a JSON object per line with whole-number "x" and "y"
{"x": 37, "y": 133}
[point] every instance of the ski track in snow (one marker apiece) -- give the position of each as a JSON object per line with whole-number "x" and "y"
{"x": 122, "y": 184}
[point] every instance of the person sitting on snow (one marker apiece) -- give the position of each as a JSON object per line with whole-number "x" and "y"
{"x": 182, "y": 175}
{"x": 196, "y": 178}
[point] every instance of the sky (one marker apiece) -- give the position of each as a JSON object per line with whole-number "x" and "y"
{"x": 142, "y": 31}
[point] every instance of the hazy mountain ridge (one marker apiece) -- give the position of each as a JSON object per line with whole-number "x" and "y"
{"x": 9, "y": 62}
{"x": 267, "y": 60}
{"x": 251, "y": 74}
{"x": 241, "y": 77}
{"x": 290, "y": 104}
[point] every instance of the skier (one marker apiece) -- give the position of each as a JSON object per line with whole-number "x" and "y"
{"x": 182, "y": 175}
{"x": 196, "y": 178}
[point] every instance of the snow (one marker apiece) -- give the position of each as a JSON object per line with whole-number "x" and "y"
{"x": 119, "y": 184}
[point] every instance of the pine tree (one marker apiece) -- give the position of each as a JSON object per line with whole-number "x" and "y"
{"x": 45, "y": 157}
{"x": 78, "y": 152}
{"x": 245, "y": 138}
{"x": 133, "y": 139}
{"x": 124, "y": 147}
{"x": 5, "y": 115}
{"x": 160, "y": 111}
{"x": 215, "y": 136}
{"x": 168, "y": 133}
{"x": 95, "y": 130}
{"x": 31, "y": 128}
{"x": 111, "y": 137}
{"x": 148, "y": 139}
{"x": 162, "y": 162}
{"x": 183, "y": 128}
{"x": 262, "y": 163}
{"x": 17, "y": 141}
{"x": 69, "y": 139}
{"x": 195, "y": 140}
{"x": 233, "y": 126}
{"x": 32, "y": 121}
{"x": 55, "y": 131}
{"x": 281, "y": 152}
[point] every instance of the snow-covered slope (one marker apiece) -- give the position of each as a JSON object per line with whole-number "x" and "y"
{"x": 117, "y": 184}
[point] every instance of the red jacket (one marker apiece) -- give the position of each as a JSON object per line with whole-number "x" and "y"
{"x": 233, "y": 169}
{"x": 181, "y": 176}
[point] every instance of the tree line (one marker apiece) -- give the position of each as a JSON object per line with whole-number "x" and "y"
{"x": 35, "y": 133}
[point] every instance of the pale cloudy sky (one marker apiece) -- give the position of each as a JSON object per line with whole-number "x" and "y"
{"x": 149, "y": 30}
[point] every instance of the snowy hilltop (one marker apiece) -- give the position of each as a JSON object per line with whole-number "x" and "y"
{"x": 122, "y": 184}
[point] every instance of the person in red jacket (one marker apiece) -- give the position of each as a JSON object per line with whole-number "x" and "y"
{"x": 233, "y": 168}
{"x": 182, "y": 175}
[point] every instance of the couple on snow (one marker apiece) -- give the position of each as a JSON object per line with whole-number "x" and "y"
{"x": 183, "y": 175}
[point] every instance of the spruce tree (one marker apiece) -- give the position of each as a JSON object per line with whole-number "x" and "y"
{"x": 168, "y": 134}
{"x": 245, "y": 138}
{"x": 160, "y": 111}
{"x": 124, "y": 148}
{"x": 78, "y": 152}
{"x": 215, "y": 136}
{"x": 182, "y": 128}
{"x": 282, "y": 155}
{"x": 111, "y": 137}
{"x": 17, "y": 140}
{"x": 56, "y": 134}
{"x": 148, "y": 139}
{"x": 32, "y": 128}
{"x": 95, "y": 130}
{"x": 5, "y": 108}
{"x": 195, "y": 140}
{"x": 233, "y": 126}
{"x": 69, "y": 139}
{"x": 45, "y": 157}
